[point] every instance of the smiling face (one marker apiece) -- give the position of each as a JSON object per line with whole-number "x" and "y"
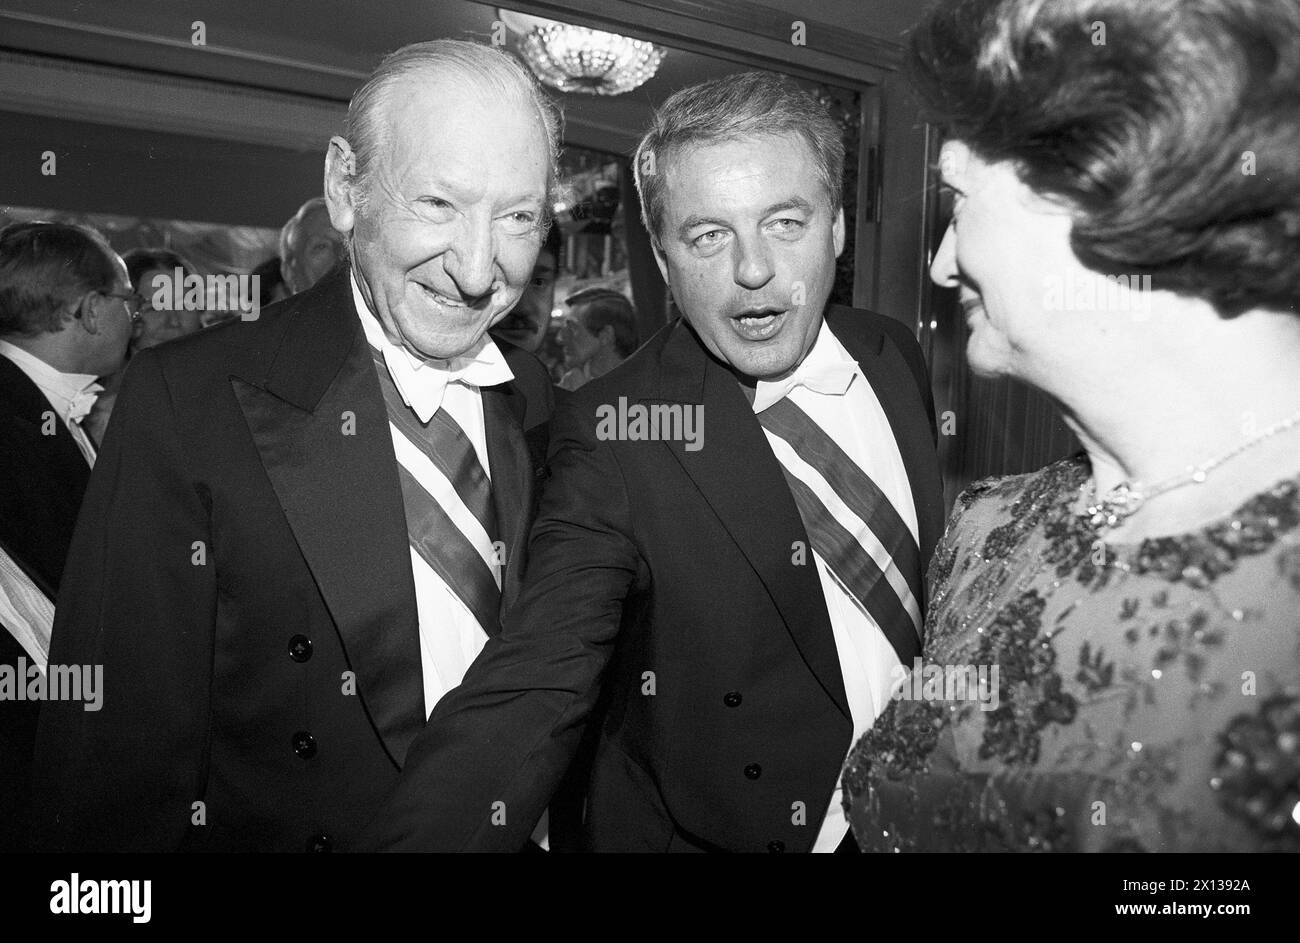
{"x": 446, "y": 239}
{"x": 1003, "y": 251}
{"x": 748, "y": 247}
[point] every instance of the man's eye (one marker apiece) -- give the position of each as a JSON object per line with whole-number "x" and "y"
{"x": 519, "y": 222}
{"x": 787, "y": 225}
{"x": 710, "y": 238}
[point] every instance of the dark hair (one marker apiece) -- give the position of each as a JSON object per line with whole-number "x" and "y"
{"x": 44, "y": 269}
{"x": 604, "y": 306}
{"x": 747, "y": 104}
{"x": 139, "y": 261}
{"x": 1146, "y": 117}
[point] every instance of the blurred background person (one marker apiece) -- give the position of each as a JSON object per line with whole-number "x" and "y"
{"x": 598, "y": 334}
{"x": 153, "y": 272}
{"x": 153, "y": 326}
{"x": 526, "y": 324}
{"x": 1137, "y": 601}
{"x": 309, "y": 246}
{"x": 66, "y": 310}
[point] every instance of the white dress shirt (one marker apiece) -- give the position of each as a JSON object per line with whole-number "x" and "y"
{"x": 70, "y": 394}
{"x": 450, "y": 636}
{"x": 830, "y": 387}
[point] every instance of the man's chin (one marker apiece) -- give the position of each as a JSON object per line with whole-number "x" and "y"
{"x": 445, "y": 347}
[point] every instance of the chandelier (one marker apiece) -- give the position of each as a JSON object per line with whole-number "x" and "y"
{"x": 587, "y": 61}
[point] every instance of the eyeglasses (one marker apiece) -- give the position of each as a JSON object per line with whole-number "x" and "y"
{"x": 133, "y": 300}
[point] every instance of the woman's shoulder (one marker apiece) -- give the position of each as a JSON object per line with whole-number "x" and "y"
{"x": 1005, "y": 492}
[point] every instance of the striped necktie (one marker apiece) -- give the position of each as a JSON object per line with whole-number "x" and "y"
{"x": 874, "y": 558}
{"x": 430, "y": 527}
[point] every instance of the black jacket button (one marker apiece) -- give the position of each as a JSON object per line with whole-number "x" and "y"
{"x": 320, "y": 843}
{"x": 732, "y": 699}
{"x": 304, "y": 744}
{"x": 776, "y": 847}
{"x": 753, "y": 771}
{"x": 300, "y": 648}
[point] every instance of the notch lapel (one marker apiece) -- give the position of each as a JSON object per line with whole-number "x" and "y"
{"x": 741, "y": 478}
{"x": 318, "y": 419}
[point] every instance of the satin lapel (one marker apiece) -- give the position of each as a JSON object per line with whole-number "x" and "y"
{"x": 334, "y": 471}
{"x": 742, "y": 480}
{"x": 895, "y": 387}
{"x": 511, "y": 472}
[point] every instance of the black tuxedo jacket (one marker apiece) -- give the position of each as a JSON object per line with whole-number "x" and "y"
{"x": 42, "y": 481}
{"x": 241, "y": 570}
{"x": 662, "y": 602}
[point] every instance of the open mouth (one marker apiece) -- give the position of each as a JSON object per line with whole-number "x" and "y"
{"x": 758, "y": 324}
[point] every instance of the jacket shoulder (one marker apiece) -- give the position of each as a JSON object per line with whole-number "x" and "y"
{"x": 862, "y": 322}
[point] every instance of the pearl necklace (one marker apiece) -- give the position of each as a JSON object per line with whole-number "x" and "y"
{"x": 1126, "y": 498}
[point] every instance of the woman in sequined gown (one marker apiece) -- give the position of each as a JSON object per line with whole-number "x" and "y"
{"x": 1112, "y": 651}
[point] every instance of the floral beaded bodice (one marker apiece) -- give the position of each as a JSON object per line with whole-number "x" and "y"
{"x": 1139, "y": 697}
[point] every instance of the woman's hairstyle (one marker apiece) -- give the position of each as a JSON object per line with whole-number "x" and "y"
{"x": 1171, "y": 127}
{"x": 744, "y": 105}
{"x": 45, "y": 268}
{"x": 139, "y": 261}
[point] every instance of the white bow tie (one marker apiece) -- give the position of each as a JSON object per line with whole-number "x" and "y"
{"x": 83, "y": 402}
{"x": 423, "y": 386}
{"x": 832, "y": 379}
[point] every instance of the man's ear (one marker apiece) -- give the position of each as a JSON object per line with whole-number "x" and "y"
{"x": 606, "y": 336}
{"x": 86, "y": 314}
{"x": 340, "y": 186}
{"x": 837, "y": 232}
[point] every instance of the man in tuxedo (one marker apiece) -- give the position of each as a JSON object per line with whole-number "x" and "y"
{"x": 722, "y": 605}
{"x": 66, "y": 309}
{"x": 302, "y": 528}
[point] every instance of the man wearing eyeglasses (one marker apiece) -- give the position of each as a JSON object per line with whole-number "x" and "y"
{"x": 66, "y": 310}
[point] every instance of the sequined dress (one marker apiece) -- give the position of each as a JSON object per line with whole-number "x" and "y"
{"x": 1146, "y": 697}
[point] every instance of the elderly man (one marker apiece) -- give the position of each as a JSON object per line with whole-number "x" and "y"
{"x": 309, "y": 246}
{"x": 303, "y": 528}
{"x": 724, "y": 582}
{"x": 66, "y": 309}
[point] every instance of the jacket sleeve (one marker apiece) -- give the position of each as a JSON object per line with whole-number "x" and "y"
{"x": 137, "y": 604}
{"x": 479, "y": 775}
